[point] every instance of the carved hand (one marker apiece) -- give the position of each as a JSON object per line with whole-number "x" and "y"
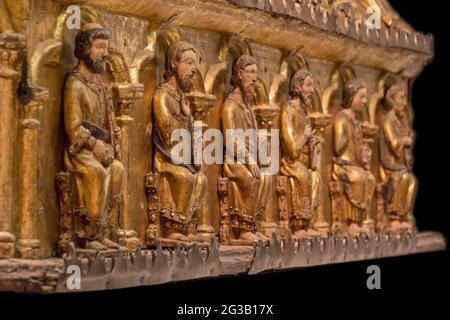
{"x": 103, "y": 152}
{"x": 254, "y": 170}
{"x": 316, "y": 140}
{"x": 407, "y": 141}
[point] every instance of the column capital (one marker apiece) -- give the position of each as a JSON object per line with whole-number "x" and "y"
{"x": 126, "y": 94}
{"x": 265, "y": 115}
{"x": 12, "y": 52}
{"x": 32, "y": 110}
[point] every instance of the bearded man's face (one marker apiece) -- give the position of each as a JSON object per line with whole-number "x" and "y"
{"x": 185, "y": 70}
{"x": 306, "y": 90}
{"x": 95, "y": 57}
{"x": 248, "y": 78}
{"x": 400, "y": 103}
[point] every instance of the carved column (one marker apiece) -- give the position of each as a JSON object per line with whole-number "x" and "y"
{"x": 381, "y": 221}
{"x": 200, "y": 104}
{"x": 28, "y": 245}
{"x": 370, "y": 132}
{"x": 126, "y": 94}
{"x": 319, "y": 122}
{"x": 265, "y": 116}
{"x": 12, "y": 46}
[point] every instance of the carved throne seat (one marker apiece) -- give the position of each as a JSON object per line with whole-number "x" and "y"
{"x": 164, "y": 220}
{"x": 70, "y": 224}
{"x": 343, "y": 205}
{"x": 232, "y": 218}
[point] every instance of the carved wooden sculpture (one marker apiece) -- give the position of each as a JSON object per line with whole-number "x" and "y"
{"x": 92, "y": 97}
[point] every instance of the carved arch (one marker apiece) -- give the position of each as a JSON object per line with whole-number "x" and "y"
{"x": 340, "y": 76}
{"x": 377, "y": 99}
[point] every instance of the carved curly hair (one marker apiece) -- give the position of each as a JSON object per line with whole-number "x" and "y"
{"x": 298, "y": 77}
{"x": 351, "y": 88}
{"x": 173, "y": 56}
{"x": 239, "y": 64}
{"x": 390, "y": 96}
{"x": 84, "y": 40}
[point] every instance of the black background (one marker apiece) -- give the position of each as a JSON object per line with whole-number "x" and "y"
{"x": 409, "y": 284}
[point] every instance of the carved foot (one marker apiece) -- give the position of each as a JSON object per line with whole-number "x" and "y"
{"x": 323, "y": 228}
{"x": 380, "y": 226}
{"x": 398, "y": 226}
{"x": 305, "y": 234}
{"x": 128, "y": 239}
{"x": 395, "y": 226}
{"x": 249, "y": 237}
{"x": 195, "y": 238}
{"x": 284, "y": 230}
{"x": 355, "y": 230}
{"x": 96, "y": 245}
{"x": 103, "y": 244}
{"x": 338, "y": 228}
{"x": 408, "y": 225}
{"x": 206, "y": 232}
{"x": 314, "y": 233}
{"x": 369, "y": 224}
{"x": 267, "y": 229}
{"x": 178, "y": 237}
{"x": 263, "y": 237}
{"x": 7, "y": 246}
{"x": 29, "y": 248}
{"x": 112, "y": 245}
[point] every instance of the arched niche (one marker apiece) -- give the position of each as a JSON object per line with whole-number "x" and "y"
{"x": 232, "y": 47}
{"x": 377, "y": 101}
{"x": 279, "y": 89}
{"x": 332, "y": 95}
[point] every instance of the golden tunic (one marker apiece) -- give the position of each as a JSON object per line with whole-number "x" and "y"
{"x": 99, "y": 186}
{"x": 182, "y": 190}
{"x": 296, "y": 134}
{"x": 396, "y": 167}
{"x": 359, "y": 183}
{"x": 247, "y": 205}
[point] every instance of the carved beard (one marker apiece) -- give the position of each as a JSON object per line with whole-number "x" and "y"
{"x": 307, "y": 101}
{"x": 401, "y": 114}
{"x": 95, "y": 66}
{"x": 185, "y": 81}
{"x": 249, "y": 94}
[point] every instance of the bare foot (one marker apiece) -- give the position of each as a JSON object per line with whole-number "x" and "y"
{"x": 178, "y": 237}
{"x": 205, "y": 229}
{"x": 301, "y": 234}
{"x": 248, "y": 236}
{"x": 354, "y": 229}
{"x": 337, "y": 228}
{"x": 132, "y": 244}
{"x": 380, "y": 226}
{"x": 314, "y": 233}
{"x": 129, "y": 233}
{"x": 195, "y": 238}
{"x": 129, "y": 239}
{"x": 112, "y": 245}
{"x": 366, "y": 231}
{"x": 262, "y": 236}
{"x": 407, "y": 226}
{"x": 395, "y": 226}
{"x": 96, "y": 245}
